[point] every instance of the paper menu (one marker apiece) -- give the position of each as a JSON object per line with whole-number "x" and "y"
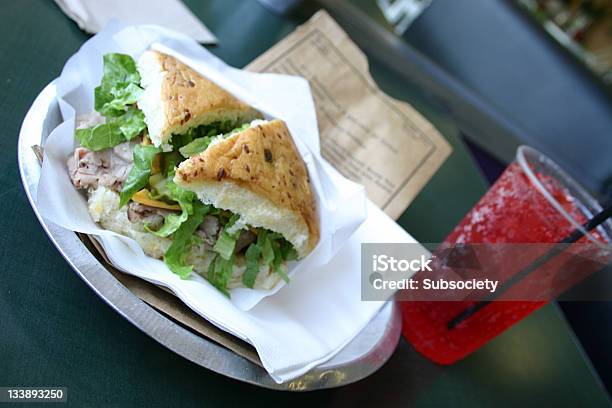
{"x": 368, "y": 136}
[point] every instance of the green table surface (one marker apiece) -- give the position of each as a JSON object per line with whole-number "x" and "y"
{"x": 54, "y": 331}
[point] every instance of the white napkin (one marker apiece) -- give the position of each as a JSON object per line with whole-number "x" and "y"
{"x": 320, "y": 311}
{"x": 92, "y": 15}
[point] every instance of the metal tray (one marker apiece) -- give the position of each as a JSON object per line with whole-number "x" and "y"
{"x": 360, "y": 358}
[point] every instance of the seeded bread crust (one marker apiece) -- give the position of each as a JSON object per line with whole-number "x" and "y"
{"x": 186, "y": 98}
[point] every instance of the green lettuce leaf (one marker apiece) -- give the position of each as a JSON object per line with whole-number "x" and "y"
{"x": 267, "y": 252}
{"x": 278, "y": 260}
{"x": 158, "y": 186}
{"x": 220, "y": 272}
{"x": 101, "y": 136}
{"x": 169, "y": 161}
{"x": 224, "y": 274}
{"x": 119, "y": 69}
{"x": 139, "y": 174}
{"x": 185, "y": 199}
{"x": 115, "y": 98}
{"x": 179, "y": 194}
{"x": 240, "y": 128}
{"x": 179, "y": 141}
{"x": 103, "y": 99}
{"x": 197, "y": 132}
{"x": 196, "y": 146}
{"x": 182, "y": 240}
{"x": 288, "y": 252}
{"x": 231, "y": 221}
{"x": 115, "y": 131}
{"x": 131, "y": 123}
{"x": 121, "y": 97}
{"x": 274, "y": 251}
{"x": 252, "y": 255}
{"x": 119, "y": 87}
{"x": 225, "y": 245}
{"x": 172, "y": 222}
{"x": 212, "y": 267}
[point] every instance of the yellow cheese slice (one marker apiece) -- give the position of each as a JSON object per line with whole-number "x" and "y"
{"x": 143, "y": 198}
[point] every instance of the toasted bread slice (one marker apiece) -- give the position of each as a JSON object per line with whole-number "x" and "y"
{"x": 257, "y": 173}
{"x": 176, "y": 98}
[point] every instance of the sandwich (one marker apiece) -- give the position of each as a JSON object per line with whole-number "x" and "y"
{"x": 194, "y": 175}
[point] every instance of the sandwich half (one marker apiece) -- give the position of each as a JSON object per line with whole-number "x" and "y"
{"x": 259, "y": 175}
{"x": 219, "y": 192}
{"x": 177, "y": 99}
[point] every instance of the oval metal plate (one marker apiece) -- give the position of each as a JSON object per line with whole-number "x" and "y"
{"x": 360, "y": 358}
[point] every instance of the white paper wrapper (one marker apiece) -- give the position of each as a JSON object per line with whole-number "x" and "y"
{"x": 319, "y": 312}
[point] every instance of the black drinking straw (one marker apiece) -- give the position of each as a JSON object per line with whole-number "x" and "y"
{"x": 558, "y": 248}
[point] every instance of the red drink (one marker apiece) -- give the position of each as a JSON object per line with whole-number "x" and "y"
{"x": 514, "y": 210}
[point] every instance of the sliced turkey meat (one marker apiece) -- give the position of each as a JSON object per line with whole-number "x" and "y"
{"x": 150, "y": 216}
{"x": 245, "y": 239}
{"x": 108, "y": 167}
{"x": 209, "y": 229}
